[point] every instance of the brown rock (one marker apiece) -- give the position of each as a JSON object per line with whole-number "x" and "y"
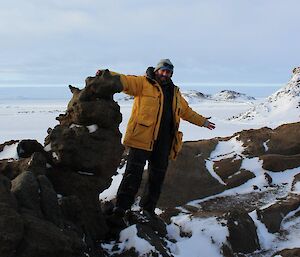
{"x": 274, "y": 214}
{"x": 242, "y": 232}
{"x": 277, "y": 162}
{"x": 239, "y": 178}
{"x": 187, "y": 178}
{"x": 227, "y": 167}
{"x": 288, "y": 253}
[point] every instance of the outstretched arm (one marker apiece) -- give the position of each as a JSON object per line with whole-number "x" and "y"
{"x": 131, "y": 85}
{"x": 188, "y": 114}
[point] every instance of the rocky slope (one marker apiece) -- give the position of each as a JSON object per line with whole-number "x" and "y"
{"x": 283, "y": 105}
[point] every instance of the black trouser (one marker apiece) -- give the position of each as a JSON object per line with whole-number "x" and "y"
{"x": 157, "y": 165}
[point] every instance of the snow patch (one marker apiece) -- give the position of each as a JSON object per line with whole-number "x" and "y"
{"x": 9, "y": 152}
{"x": 129, "y": 239}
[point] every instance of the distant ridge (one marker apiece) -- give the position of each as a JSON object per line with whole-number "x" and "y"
{"x": 195, "y": 96}
{"x": 283, "y": 105}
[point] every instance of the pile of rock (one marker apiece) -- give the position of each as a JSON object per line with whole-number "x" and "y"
{"x": 49, "y": 203}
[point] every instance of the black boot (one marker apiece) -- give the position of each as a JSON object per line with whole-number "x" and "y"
{"x": 116, "y": 223}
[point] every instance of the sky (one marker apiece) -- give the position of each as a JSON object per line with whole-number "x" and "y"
{"x": 209, "y": 41}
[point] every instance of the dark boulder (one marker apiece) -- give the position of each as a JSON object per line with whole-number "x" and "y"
{"x": 27, "y": 147}
{"x": 242, "y": 232}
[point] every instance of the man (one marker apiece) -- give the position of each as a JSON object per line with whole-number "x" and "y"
{"x": 152, "y": 133}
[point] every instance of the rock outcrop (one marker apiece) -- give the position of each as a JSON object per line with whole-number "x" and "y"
{"x": 49, "y": 194}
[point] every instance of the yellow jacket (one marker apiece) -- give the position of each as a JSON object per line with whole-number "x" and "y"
{"x": 143, "y": 125}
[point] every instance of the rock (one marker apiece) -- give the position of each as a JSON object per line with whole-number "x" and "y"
{"x": 227, "y": 167}
{"x": 11, "y": 223}
{"x": 239, "y": 178}
{"x": 89, "y": 129}
{"x": 7, "y": 143}
{"x": 36, "y": 164}
{"x": 11, "y": 231}
{"x": 274, "y": 214}
{"x": 253, "y": 140}
{"x": 26, "y": 189}
{"x": 48, "y": 201}
{"x": 187, "y": 178}
{"x": 6, "y": 197}
{"x": 242, "y": 232}
{"x": 45, "y": 239}
{"x": 278, "y": 162}
{"x": 285, "y": 140}
{"x": 27, "y": 147}
{"x": 98, "y": 152}
{"x": 288, "y": 253}
{"x": 153, "y": 238}
{"x": 154, "y": 222}
{"x": 86, "y": 189}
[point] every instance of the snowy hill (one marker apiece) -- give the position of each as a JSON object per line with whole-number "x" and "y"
{"x": 229, "y": 95}
{"x": 195, "y": 96}
{"x": 283, "y": 106}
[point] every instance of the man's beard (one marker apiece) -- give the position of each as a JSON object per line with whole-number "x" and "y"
{"x": 162, "y": 80}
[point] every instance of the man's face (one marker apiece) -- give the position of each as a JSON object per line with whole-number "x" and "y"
{"x": 163, "y": 75}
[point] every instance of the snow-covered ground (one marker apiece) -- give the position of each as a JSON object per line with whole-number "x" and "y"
{"x": 20, "y": 119}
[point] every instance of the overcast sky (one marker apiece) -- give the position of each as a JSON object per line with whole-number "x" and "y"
{"x": 209, "y": 41}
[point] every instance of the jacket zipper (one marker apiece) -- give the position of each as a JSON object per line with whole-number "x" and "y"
{"x": 157, "y": 117}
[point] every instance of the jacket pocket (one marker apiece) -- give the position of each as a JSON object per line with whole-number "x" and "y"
{"x": 177, "y": 145}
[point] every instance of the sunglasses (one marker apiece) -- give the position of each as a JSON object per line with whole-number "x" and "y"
{"x": 169, "y": 66}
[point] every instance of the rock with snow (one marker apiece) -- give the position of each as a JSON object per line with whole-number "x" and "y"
{"x": 281, "y": 107}
{"x": 230, "y": 95}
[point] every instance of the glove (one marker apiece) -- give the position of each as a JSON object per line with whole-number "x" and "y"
{"x": 208, "y": 124}
{"x": 150, "y": 72}
{"x": 99, "y": 72}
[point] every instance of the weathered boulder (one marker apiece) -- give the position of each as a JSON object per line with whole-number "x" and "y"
{"x": 242, "y": 232}
{"x": 11, "y": 223}
{"x": 26, "y": 189}
{"x": 51, "y": 195}
{"x": 27, "y": 147}
{"x": 282, "y": 140}
{"x": 288, "y": 253}
{"x": 274, "y": 214}
{"x": 187, "y": 178}
{"x": 36, "y": 163}
{"x": 278, "y": 162}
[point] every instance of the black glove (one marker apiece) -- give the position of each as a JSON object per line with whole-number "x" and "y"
{"x": 150, "y": 72}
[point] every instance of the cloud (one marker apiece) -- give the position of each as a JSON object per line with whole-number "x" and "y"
{"x": 60, "y": 41}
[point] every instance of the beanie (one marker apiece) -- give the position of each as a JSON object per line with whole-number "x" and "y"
{"x": 164, "y": 64}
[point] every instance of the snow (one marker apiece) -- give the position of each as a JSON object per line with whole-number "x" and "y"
{"x": 111, "y": 192}
{"x": 129, "y": 239}
{"x": 9, "y": 152}
{"x": 265, "y": 144}
{"x": 204, "y": 233}
{"x": 297, "y": 187}
{"x": 279, "y": 108}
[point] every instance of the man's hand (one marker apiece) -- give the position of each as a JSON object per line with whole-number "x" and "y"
{"x": 99, "y": 72}
{"x": 209, "y": 125}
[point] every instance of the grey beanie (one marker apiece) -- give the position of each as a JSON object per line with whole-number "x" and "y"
{"x": 164, "y": 64}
